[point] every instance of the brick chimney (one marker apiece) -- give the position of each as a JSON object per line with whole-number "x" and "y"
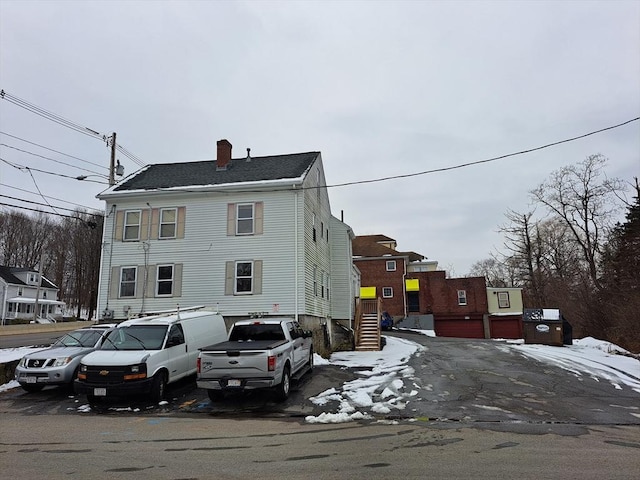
{"x": 224, "y": 154}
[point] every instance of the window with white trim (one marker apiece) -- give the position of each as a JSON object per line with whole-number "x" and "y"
{"x": 391, "y": 265}
{"x": 387, "y": 292}
{"x": 503, "y": 300}
{"x": 322, "y": 284}
{"x": 164, "y": 280}
{"x": 128, "y": 277}
{"x": 245, "y": 216}
{"x": 132, "y": 224}
{"x": 244, "y": 278}
{"x": 462, "y": 297}
{"x": 328, "y": 281}
{"x": 168, "y": 223}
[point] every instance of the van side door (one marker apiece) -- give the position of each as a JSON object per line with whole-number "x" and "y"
{"x": 176, "y": 349}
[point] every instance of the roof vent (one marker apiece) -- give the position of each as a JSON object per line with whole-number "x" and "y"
{"x": 248, "y": 154}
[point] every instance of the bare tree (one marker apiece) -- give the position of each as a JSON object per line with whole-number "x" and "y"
{"x": 584, "y": 200}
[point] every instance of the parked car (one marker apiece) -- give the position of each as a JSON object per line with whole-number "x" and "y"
{"x": 264, "y": 353}
{"x": 141, "y": 356}
{"x": 58, "y": 364}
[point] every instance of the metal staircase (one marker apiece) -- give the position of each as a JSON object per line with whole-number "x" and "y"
{"x": 367, "y": 334}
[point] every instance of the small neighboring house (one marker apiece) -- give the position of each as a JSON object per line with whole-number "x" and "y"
{"x": 22, "y": 291}
{"x": 505, "y": 312}
{"x": 250, "y": 236}
{"x": 413, "y": 291}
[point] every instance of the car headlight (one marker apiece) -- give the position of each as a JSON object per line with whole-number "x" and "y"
{"x": 22, "y": 362}
{"x": 137, "y": 372}
{"x": 61, "y": 361}
{"x": 83, "y": 368}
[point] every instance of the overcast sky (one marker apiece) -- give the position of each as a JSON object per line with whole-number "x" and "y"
{"x": 380, "y": 88}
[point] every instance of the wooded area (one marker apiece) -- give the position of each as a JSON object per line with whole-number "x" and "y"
{"x": 69, "y": 247}
{"x": 568, "y": 252}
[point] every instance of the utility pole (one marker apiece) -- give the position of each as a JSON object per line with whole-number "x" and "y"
{"x": 112, "y": 164}
{"x": 39, "y": 279}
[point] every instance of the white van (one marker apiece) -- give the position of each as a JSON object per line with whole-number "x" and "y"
{"x": 143, "y": 355}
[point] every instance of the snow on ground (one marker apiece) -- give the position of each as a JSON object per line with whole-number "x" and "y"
{"x": 597, "y": 359}
{"x": 386, "y": 382}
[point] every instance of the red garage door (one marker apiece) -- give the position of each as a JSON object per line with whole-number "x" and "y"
{"x": 462, "y": 328}
{"x": 506, "y": 327}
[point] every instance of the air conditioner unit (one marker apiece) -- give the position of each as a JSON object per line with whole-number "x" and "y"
{"x": 107, "y": 314}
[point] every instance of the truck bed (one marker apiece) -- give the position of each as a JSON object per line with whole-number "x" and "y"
{"x": 238, "y": 346}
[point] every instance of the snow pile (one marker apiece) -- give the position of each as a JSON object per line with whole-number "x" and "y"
{"x": 382, "y": 388}
{"x": 591, "y": 357}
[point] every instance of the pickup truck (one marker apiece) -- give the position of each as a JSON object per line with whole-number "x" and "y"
{"x": 263, "y": 353}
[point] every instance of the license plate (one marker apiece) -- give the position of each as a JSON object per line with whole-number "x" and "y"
{"x": 234, "y": 383}
{"x": 100, "y": 392}
{"x": 32, "y": 379}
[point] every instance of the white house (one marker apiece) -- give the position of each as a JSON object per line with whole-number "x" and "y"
{"x": 248, "y": 236}
{"x": 23, "y": 291}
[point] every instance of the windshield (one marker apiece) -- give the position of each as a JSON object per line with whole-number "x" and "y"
{"x": 79, "y": 338}
{"x": 136, "y": 337}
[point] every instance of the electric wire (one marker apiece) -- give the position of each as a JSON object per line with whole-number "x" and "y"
{"x": 23, "y": 167}
{"x": 52, "y": 150}
{"x": 52, "y": 159}
{"x": 38, "y": 203}
{"x": 50, "y": 197}
{"x": 45, "y": 213}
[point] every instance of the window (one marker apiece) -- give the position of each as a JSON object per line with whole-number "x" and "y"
{"x": 328, "y": 280}
{"x": 244, "y": 219}
{"x": 132, "y": 225}
{"x": 313, "y": 225}
{"x": 20, "y": 291}
{"x": 176, "y": 336}
{"x": 391, "y": 265}
{"x": 387, "y": 292}
{"x": 503, "y": 300}
{"x": 322, "y": 284}
{"x": 44, "y": 294}
{"x": 321, "y": 229}
{"x": 168, "y": 222}
{"x": 462, "y": 297}
{"x": 244, "y": 278}
{"x": 128, "y": 281}
{"x": 315, "y": 280}
{"x": 164, "y": 280}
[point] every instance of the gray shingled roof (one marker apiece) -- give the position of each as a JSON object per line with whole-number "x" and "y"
{"x": 168, "y": 175}
{"x": 7, "y": 274}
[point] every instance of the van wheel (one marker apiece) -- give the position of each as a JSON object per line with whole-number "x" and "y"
{"x": 158, "y": 387}
{"x": 32, "y": 388}
{"x": 282, "y": 390}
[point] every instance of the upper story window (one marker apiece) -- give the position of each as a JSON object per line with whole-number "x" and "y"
{"x": 315, "y": 280}
{"x": 33, "y": 279}
{"x": 313, "y": 226}
{"x": 328, "y": 282}
{"x": 132, "y": 225}
{"x": 20, "y": 291}
{"x": 503, "y": 300}
{"x": 164, "y": 280}
{"x": 44, "y": 294}
{"x": 168, "y": 223}
{"x": 387, "y": 292}
{"x": 391, "y": 265}
{"x": 128, "y": 277}
{"x": 244, "y": 278}
{"x": 462, "y": 297}
{"x": 244, "y": 218}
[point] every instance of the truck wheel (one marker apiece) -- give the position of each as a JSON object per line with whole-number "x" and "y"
{"x": 215, "y": 395}
{"x": 158, "y": 386}
{"x": 282, "y": 390}
{"x": 311, "y": 360}
{"x": 32, "y": 388}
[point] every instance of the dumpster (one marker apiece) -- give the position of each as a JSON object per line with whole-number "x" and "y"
{"x": 546, "y": 326}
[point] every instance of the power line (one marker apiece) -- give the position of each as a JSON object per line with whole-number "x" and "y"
{"x": 52, "y": 150}
{"x": 38, "y": 203}
{"x": 493, "y": 159}
{"x": 47, "y": 213}
{"x": 51, "y": 116}
{"x": 23, "y": 167}
{"x": 49, "y": 197}
{"x": 52, "y": 159}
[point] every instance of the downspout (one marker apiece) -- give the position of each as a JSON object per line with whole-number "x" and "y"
{"x": 295, "y": 252}
{"x": 146, "y": 247}
{"x": 404, "y": 287}
{"x": 113, "y": 236}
